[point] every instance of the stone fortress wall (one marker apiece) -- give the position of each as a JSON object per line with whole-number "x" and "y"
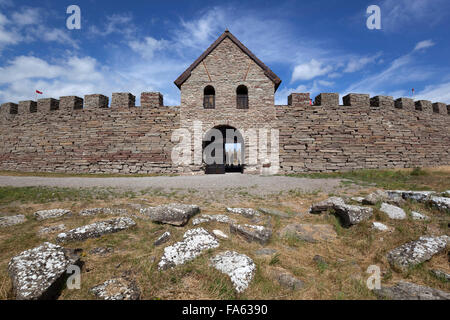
{"x": 76, "y": 136}
{"x": 88, "y": 136}
{"x": 364, "y": 133}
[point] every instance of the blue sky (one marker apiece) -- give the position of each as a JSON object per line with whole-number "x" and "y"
{"x": 313, "y": 46}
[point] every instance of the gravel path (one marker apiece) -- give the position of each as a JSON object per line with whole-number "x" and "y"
{"x": 252, "y": 183}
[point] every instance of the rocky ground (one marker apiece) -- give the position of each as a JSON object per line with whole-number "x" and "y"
{"x": 293, "y": 244}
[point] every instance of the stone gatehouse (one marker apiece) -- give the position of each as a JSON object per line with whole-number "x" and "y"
{"x": 227, "y": 87}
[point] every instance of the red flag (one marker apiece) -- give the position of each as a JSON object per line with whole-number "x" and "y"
{"x": 39, "y": 92}
{"x": 310, "y": 102}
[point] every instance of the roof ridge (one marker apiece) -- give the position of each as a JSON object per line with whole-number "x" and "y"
{"x": 227, "y": 34}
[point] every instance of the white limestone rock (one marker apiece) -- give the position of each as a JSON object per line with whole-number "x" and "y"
{"x": 441, "y": 274}
{"x": 52, "y": 229}
{"x": 416, "y": 252}
{"x": 96, "y": 230}
{"x": 51, "y": 214}
{"x": 117, "y": 289}
{"x": 195, "y": 241}
{"x": 325, "y": 205}
{"x": 238, "y": 267}
{"x": 380, "y": 227}
{"x": 38, "y": 273}
{"x": 219, "y": 234}
{"x": 162, "y": 239}
{"x": 174, "y": 214}
{"x": 441, "y": 203}
{"x": 410, "y": 291}
{"x": 351, "y": 215}
{"x": 246, "y": 212}
{"x": 393, "y": 212}
{"x": 357, "y": 199}
{"x": 11, "y": 220}
{"x": 286, "y": 279}
{"x": 222, "y": 218}
{"x": 106, "y": 211}
{"x": 419, "y": 196}
{"x": 252, "y": 233}
{"x": 374, "y": 197}
{"x": 419, "y": 216}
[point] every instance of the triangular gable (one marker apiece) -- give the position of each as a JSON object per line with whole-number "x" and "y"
{"x": 227, "y": 34}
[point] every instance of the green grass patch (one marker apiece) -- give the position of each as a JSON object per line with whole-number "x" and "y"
{"x": 411, "y": 179}
{"x": 50, "y": 194}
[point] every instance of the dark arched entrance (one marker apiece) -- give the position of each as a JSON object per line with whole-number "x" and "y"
{"x": 223, "y": 150}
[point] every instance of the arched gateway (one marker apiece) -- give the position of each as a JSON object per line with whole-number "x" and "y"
{"x": 223, "y": 150}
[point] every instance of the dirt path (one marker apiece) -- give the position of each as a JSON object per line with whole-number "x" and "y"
{"x": 251, "y": 183}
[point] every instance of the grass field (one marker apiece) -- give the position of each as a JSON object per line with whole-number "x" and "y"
{"x": 342, "y": 276}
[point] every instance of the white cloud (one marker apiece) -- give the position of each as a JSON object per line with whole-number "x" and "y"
{"x": 424, "y": 44}
{"x": 397, "y": 15}
{"x": 24, "y": 67}
{"x": 116, "y": 23}
{"x": 148, "y": 46}
{"x": 27, "y": 16}
{"x": 357, "y": 63}
{"x": 310, "y": 70}
{"x": 26, "y": 25}
{"x": 435, "y": 93}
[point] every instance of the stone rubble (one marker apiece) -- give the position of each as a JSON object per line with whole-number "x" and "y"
{"x": 419, "y": 216}
{"x": 327, "y": 204}
{"x": 220, "y": 234}
{"x": 380, "y": 226}
{"x": 357, "y": 199}
{"x": 351, "y": 215}
{"x": 309, "y": 232}
{"x": 174, "y": 214}
{"x": 286, "y": 279}
{"x": 250, "y": 233}
{"x": 38, "y": 273}
{"x": 441, "y": 274}
{"x": 393, "y": 212}
{"x": 106, "y": 211}
{"x": 419, "y": 196}
{"x": 52, "y": 229}
{"x": 383, "y": 196}
{"x": 410, "y": 291}
{"x": 441, "y": 203}
{"x": 101, "y": 251}
{"x": 117, "y": 289}
{"x": 195, "y": 241}
{"x": 8, "y": 221}
{"x": 222, "y": 218}
{"x": 416, "y": 252}
{"x": 96, "y": 230}
{"x": 374, "y": 197}
{"x": 51, "y": 214}
{"x": 162, "y": 239}
{"x": 239, "y": 267}
{"x": 246, "y": 212}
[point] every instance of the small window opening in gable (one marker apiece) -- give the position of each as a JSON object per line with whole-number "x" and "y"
{"x": 242, "y": 97}
{"x": 209, "y": 98}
